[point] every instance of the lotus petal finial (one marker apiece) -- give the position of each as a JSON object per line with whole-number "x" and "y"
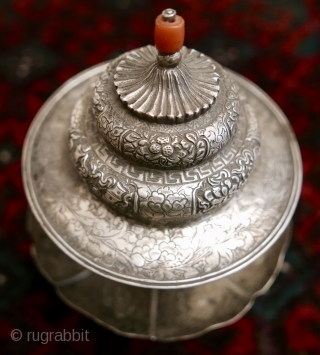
{"x": 167, "y": 94}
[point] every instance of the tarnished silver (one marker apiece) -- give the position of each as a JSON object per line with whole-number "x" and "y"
{"x": 166, "y": 315}
{"x": 169, "y": 60}
{"x": 182, "y": 192}
{"x": 131, "y": 251}
{"x": 163, "y": 194}
{"x": 169, "y": 15}
{"x": 167, "y": 95}
{"x": 169, "y": 220}
{"x": 166, "y": 145}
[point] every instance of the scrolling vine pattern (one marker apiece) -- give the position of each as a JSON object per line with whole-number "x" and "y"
{"x": 159, "y": 149}
{"x": 170, "y": 253}
{"x": 157, "y": 201}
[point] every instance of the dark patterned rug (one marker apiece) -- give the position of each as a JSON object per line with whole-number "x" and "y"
{"x": 275, "y": 43}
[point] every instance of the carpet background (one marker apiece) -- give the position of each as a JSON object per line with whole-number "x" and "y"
{"x": 274, "y": 43}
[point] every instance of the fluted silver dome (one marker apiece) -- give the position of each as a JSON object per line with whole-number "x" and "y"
{"x": 176, "y": 94}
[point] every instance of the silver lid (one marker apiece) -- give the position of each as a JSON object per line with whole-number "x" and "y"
{"x": 209, "y": 158}
{"x": 200, "y": 129}
{"x": 155, "y": 255}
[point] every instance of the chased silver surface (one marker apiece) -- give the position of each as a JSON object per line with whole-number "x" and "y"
{"x": 161, "y": 194}
{"x": 165, "y": 145}
{"x": 170, "y": 257}
{"x": 163, "y": 94}
{"x": 166, "y": 315}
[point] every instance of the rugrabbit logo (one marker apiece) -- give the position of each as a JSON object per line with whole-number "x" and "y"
{"x": 46, "y": 337}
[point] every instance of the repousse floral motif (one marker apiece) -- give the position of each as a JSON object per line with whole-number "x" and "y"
{"x": 157, "y": 202}
{"x": 223, "y": 185}
{"x": 161, "y": 150}
{"x": 159, "y": 254}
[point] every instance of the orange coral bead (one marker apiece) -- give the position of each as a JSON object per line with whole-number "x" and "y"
{"x": 169, "y": 36}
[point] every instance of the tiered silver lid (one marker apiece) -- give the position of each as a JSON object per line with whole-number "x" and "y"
{"x": 162, "y": 142}
{"x": 184, "y": 139}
